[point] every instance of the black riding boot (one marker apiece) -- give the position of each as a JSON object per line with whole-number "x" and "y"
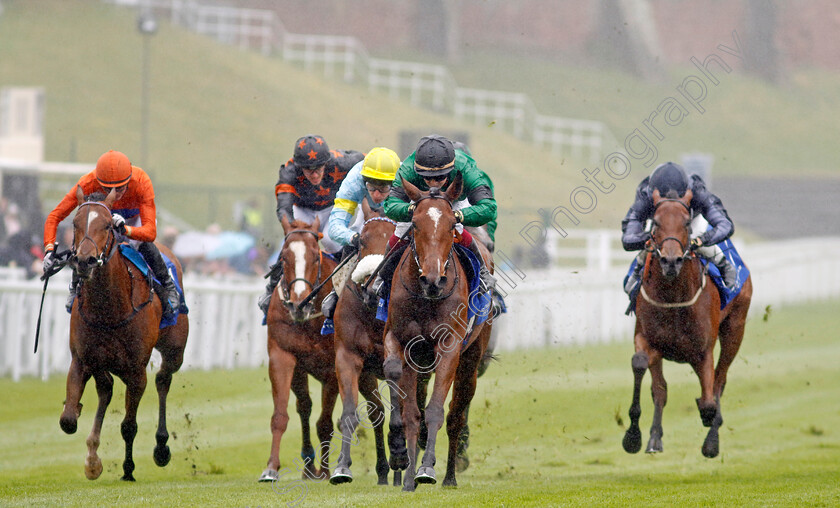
{"x": 328, "y": 304}
{"x": 167, "y": 293}
{"x": 275, "y": 273}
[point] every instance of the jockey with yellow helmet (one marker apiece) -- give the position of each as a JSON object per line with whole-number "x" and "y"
{"x": 134, "y": 216}
{"x": 370, "y": 178}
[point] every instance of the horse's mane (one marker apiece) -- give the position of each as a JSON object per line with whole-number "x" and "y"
{"x": 435, "y": 192}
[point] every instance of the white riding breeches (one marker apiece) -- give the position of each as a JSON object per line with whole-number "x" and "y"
{"x": 308, "y": 216}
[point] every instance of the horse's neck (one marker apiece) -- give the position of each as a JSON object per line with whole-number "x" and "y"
{"x": 680, "y": 288}
{"x": 109, "y": 285}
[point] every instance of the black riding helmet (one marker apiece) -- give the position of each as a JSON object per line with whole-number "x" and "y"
{"x": 434, "y": 157}
{"x": 669, "y": 177}
{"x": 311, "y": 151}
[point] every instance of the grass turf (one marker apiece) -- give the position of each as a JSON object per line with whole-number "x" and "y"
{"x": 546, "y": 430}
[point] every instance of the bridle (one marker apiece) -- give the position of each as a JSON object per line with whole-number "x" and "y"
{"x": 656, "y": 249}
{"x": 449, "y": 258}
{"x": 108, "y": 249}
{"x": 285, "y": 287}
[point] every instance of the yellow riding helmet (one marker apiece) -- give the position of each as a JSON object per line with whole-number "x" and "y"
{"x": 381, "y": 164}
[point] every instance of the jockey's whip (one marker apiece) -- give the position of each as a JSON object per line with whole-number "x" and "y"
{"x": 317, "y": 288}
{"x": 60, "y": 261}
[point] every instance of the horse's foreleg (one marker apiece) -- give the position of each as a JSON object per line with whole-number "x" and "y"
{"x": 444, "y": 375}
{"x": 411, "y": 422}
{"x": 134, "y": 389}
{"x": 707, "y": 403}
{"x": 105, "y": 389}
{"x": 633, "y": 437}
{"x": 324, "y": 426}
{"x": 348, "y": 367}
{"x": 422, "y": 395}
{"x": 376, "y": 416}
{"x": 77, "y": 378}
{"x": 396, "y": 431}
{"x": 659, "y": 392}
{"x": 462, "y": 394}
{"x": 300, "y": 387}
{"x": 172, "y": 360}
{"x": 281, "y": 365}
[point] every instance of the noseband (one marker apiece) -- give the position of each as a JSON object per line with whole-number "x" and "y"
{"x": 108, "y": 249}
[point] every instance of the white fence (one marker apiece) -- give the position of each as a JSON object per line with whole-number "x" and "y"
{"x": 546, "y": 308}
{"x": 425, "y": 85}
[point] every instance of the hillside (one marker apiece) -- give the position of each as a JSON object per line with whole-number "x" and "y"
{"x": 223, "y": 120}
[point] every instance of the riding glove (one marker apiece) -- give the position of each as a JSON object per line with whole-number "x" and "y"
{"x": 119, "y": 223}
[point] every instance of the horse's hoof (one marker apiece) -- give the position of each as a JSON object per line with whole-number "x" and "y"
{"x": 425, "y": 474}
{"x": 128, "y": 477}
{"x": 632, "y": 439}
{"x": 93, "y": 468}
{"x": 711, "y": 446}
{"x": 341, "y": 475}
{"x": 269, "y": 475}
{"x": 654, "y": 446}
{"x": 67, "y": 425}
{"x": 450, "y": 482}
{"x": 462, "y": 462}
{"x": 397, "y": 478}
{"x": 162, "y": 455}
{"x": 399, "y": 462}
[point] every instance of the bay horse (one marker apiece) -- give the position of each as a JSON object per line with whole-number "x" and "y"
{"x": 114, "y": 325}
{"x": 678, "y": 318}
{"x": 427, "y": 332}
{"x": 359, "y": 352}
{"x": 296, "y": 348}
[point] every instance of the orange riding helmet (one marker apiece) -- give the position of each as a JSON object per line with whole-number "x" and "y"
{"x": 113, "y": 169}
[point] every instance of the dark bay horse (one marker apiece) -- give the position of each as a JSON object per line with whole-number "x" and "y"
{"x": 296, "y": 348}
{"x": 359, "y": 352}
{"x": 114, "y": 325}
{"x": 678, "y": 318}
{"x": 427, "y": 332}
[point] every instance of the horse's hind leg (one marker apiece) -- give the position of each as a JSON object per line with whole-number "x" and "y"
{"x": 105, "y": 389}
{"x": 376, "y": 415}
{"x": 659, "y": 392}
{"x": 300, "y": 387}
{"x": 172, "y": 359}
{"x": 633, "y": 437}
{"x": 348, "y": 367}
{"x": 134, "y": 387}
{"x": 324, "y": 426}
{"x": 77, "y": 378}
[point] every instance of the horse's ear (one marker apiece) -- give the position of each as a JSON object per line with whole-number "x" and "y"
{"x": 111, "y": 197}
{"x": 367, "y": 211}
{"x": 80, "y": 195}
{"x": 687, "y": 197}
{"x": 316, "y": 224}
{"x": 656, "y": 197}
{"x": 411, "y": 190}
{"x": 453, "y": 192}
{"x": 287, "y": 226}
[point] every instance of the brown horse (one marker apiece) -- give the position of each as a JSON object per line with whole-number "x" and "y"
{"x": 296, "y": 348}
{"x": 678, "y": 318}
{"x": 113, "y": 327}
{"x": 427, "y": 331}
{"x": 359, "y": 352}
